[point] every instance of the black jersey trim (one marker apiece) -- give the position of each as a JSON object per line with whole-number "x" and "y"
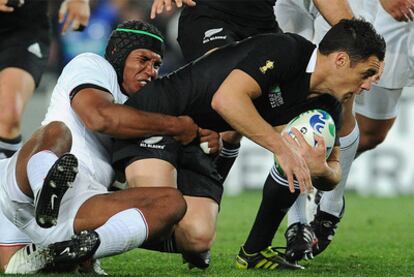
{"x": 83, "y": 86}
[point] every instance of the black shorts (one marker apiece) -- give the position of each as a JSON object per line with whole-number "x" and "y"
{"x": 201, "y": 29}
{"x": 25, "y": 50}
{"x": 196, "y": 172}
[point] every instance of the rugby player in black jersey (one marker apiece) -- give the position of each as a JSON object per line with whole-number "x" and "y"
{"x": 249, "y": 87}
{"x": 208, "y": 24}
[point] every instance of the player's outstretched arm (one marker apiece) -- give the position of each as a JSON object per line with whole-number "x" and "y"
{"x": 74, "y": 13}
{"x": 98, "y": 112}
{"x": 233, "y": 101}
{"x": 334, "y": 10}
{"x": 401, "y": 10}
{"x": 158, "y": 6}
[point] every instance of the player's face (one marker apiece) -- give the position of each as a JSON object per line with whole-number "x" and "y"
{"x": 141, "y": 67}
{"x": 357, "y": 78}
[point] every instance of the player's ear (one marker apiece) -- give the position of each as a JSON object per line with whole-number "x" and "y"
{"x": 341, "y": 59}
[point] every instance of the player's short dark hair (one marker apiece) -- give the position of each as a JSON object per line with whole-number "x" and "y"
{"x": 356, "y": 37}
{"x": 131, "y": 35}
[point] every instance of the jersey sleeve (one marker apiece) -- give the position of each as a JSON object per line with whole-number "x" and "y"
{"x": 87, "y": 70}
{"x": 276, "y": 61}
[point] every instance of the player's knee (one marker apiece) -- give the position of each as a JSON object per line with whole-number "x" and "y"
{"x": 370, "y": 141}
{"x": 199, "y": 236}
{"x": 10, "y": 116}
{"x": 59, "y": 135}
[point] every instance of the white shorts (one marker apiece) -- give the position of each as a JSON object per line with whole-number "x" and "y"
{"x": 10, "y": 235}
{"x": 19, "y": 209}
{"x": 379, "y": 103}
{"x": 296, "y": 17}
{"x": 399, "y": 58}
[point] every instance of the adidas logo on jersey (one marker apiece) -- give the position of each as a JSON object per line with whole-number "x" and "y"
{"x": 209, "y": 35}
{"x": 35, "y": 50}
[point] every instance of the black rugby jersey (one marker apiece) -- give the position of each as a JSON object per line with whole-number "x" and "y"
{"x": 29, "y": 17}
{"x": 258, "y": 13}
{"x": 276, "y": 61}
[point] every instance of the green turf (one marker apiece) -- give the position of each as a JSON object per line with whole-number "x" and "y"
{"x": 375, "y": 238}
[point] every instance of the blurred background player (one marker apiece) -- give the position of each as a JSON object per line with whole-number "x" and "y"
{"x": 24, "y": 51}
{"x": 375, "y": 111}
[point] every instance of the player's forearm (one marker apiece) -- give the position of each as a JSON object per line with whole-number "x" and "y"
{"x": 334, "y": 10}
{"x": 331, "y": 173}
{"x": 244, "y": 118}
{"x": 121, "y": 121}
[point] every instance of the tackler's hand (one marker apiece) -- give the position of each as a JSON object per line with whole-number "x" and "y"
{"x": 209, "y": 141}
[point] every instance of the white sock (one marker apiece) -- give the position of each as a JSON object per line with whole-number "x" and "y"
{"x": 332, "y": 201}
{"x": 297, "y": 213}
{"x": 37, "y": 168}
{"x": 122, "y": 232}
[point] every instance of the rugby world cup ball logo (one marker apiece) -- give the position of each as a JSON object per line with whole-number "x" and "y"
{"x": 318, "y": 121}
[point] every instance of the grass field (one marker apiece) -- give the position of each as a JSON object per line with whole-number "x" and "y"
{"x": 375, "y": 238}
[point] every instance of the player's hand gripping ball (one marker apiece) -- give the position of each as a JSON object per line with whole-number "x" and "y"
{"x": 309, "y": 123}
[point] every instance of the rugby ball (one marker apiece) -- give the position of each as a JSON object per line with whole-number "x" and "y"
{"x": 312, "y": 122}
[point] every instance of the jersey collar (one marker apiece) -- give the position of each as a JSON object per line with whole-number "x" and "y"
{"x": 312, "y": 61}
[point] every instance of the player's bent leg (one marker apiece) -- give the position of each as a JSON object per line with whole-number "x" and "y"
{"x": 372, "y": 132}
{"x": 195, "y": 233}
{"x": 155, "y": 210}
{"x": 16, "y": 88}
{"x": 376, "y": 112}
{"x": 54, "y": 138}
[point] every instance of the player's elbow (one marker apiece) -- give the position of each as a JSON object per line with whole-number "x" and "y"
{"x": 218, "y": 103}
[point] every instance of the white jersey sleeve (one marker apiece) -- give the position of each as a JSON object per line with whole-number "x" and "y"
{"x": 91, "y": 69}
{"x": 92, "y": 149}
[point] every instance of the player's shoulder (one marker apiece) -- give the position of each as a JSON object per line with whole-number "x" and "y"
{"x": 91, "y": 59}
{"x": 284, "y": 44}
{"x": 88, "y": 63}
{"x": 283, "y": 38}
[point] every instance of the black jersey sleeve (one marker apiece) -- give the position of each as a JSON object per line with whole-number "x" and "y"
{"x": 275, "y": 59}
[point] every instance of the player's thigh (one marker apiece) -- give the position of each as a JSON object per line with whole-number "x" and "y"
{"x": 376, "y": 112}
{"x": 149, "y": 161}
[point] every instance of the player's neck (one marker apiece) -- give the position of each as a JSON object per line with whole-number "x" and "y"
{"x": 319, "y": 81}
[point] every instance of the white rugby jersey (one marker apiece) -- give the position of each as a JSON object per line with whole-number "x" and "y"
{"x": 92, "y": 149}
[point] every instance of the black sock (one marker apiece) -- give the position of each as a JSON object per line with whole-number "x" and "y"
{"x": 226, "y": 158}
{"x": 169, "y": 245}
{"x": 9, "y": 146}
{"x": 276, "y": 201}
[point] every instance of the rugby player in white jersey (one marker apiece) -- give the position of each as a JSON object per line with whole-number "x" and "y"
{"x": 375, "y": 112}
{"x": 87, "y": 100}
